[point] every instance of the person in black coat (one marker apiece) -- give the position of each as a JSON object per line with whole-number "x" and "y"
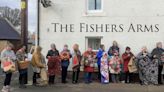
{"x": 113, "y": 48}
{"x": 53, "y": 52}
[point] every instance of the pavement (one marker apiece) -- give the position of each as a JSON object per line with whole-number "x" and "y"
{"x": 80, "y": 87}
{"x": 94, "y": 87}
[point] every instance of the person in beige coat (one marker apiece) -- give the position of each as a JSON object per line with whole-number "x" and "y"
{"x": 39, "y": 64}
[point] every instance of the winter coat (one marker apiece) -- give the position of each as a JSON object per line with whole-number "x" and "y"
{"x": 89, "y": 61}
{"x": 158, "y": 52}
{"x": 126, "y": 60}
{"x": 99, "y": 55}
{"x": 112, "y": 49}
{"x": 38, "y": 62}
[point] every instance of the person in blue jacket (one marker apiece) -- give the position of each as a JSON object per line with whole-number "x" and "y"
{"x": 99, "y": 56}
{"x": 65, "y": 60}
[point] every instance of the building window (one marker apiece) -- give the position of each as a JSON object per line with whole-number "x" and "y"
{"x": 93, "y": 42}
{"x": 94, "y": 5}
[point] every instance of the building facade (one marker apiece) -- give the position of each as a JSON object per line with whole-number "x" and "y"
{"x": 133, "y": 23}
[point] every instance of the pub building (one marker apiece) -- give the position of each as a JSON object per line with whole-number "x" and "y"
{"x": 133, "y": 23}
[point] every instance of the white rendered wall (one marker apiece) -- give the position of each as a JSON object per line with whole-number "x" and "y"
{"x": 125, "y": 12}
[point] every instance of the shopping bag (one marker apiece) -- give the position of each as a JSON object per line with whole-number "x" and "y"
{"x": 132, "y": 66}
{"x": 43, "y": 76}
{"x": 29, "y": 56}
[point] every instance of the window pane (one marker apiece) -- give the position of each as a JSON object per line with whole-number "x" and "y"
{"x": 94, "y": 43}
{"x": 91, "y": 4}
{"x": 94, "y": 4}
{"x": 98, "y": 4}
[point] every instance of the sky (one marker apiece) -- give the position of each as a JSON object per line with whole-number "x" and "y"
{"x": 32, "y": 11}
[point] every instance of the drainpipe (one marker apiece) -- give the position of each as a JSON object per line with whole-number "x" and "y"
{"x": 38, "y": 24}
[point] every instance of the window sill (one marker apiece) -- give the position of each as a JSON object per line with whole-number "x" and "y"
{"x": 95, "y": 14}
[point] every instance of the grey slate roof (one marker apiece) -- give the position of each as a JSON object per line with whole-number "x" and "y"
{"x": 7, "y": 31}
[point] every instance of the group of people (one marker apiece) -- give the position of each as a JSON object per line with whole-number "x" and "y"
{"x": 111, "y": 65}
{"x": 120, "y": 68}
{"x": 9, "y": 59}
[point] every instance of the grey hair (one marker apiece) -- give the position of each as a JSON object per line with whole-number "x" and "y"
{"x": 53, "y": 46}
{"x": 158, "y": 43}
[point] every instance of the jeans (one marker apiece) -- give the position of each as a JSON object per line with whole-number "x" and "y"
{"x": 23, "y": 76}
{"x": 88, "y": 77}
{"x": 115, "y": 78}
{"x": 64, "y": 73}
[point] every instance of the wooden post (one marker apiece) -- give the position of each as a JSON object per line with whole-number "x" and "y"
{"x": 24, "y": 23}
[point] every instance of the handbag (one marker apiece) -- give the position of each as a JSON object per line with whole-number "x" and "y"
{"x": 131, "y": 66}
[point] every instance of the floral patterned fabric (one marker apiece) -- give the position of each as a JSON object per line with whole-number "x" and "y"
{"x": 115, "y": 65}
{"x": 104, "y": 68}
{"x": 89, "y": 61}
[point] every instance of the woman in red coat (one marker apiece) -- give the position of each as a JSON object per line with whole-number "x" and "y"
{"x": 126, "y": 58}
{"x": 89, "y": 61}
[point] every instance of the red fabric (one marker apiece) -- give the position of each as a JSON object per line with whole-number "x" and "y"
{"x": 75, "y": 61}
{"x": 88, "y": 69}
{"x": 7, "y": 63}
{"x": 54, "y": 66}
{"x": 126, "y": 60}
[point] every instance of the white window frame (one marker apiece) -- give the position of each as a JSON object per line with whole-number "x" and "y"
{"x": 94, "y": 11}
